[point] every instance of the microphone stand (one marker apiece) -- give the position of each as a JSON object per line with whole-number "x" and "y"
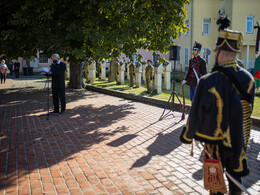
{"x": 171, "y": 99}
{"x": 183, "y": 106}
{"x": 48, "y": 98}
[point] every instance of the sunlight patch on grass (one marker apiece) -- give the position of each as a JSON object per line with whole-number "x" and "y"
{"x": 142, "y": 90}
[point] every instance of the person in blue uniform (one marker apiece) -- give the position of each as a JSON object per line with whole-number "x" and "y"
{"x": 197, "y": 68}
{"x": 222, "y": 106}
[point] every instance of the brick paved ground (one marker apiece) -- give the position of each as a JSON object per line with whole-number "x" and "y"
{"x": 102, "y": 145}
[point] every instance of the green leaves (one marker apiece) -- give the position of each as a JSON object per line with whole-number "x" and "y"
{"x": 89, "y": 28}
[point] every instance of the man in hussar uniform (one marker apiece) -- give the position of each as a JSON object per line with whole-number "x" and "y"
{"x": 131, "y": 72}
{"x": 197, "y": 68}
{"x": 221, "y": 109}
{"x": 86, "y": 70}
{"x": 149, "y": 76}
{"x": 117, "y": 68}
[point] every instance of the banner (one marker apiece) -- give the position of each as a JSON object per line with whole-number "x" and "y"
{"x": 257, "y": 72}
{"x": 257, "y": 60}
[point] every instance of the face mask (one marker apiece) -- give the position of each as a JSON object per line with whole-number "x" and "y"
{"x": 55, "y": 61}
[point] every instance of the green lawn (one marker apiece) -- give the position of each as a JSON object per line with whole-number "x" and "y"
{"x": 165, "y": 93}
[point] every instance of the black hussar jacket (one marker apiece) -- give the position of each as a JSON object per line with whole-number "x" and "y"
{"x": 58, "y": 77}
{"x": 200, "y": 65}
{"x": 220, "y": 112}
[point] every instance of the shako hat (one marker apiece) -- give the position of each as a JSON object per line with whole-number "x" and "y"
{"x": 197, "y": 46}
{"x": 228, "y": 40}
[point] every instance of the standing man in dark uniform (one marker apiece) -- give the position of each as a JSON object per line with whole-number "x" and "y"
{"x": 197, "y": 68}
{"x": 16, "y": 68}
{"x": 57, "y": 73}
{"x": 221, "y": 109}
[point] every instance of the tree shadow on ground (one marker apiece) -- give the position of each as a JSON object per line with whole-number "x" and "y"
{"x": 27, "y": 92}
{"x": 253, "y": 164}
{"x": 126, "y": 138}
{"x": 30, "y": 143}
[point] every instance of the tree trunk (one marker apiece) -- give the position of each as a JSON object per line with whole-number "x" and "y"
{"x": 112, "y": 70}
{"x": 76, "y": 79}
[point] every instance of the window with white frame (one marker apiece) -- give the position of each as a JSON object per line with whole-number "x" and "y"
{"x": 187, "y": 23}
{"x": 206, "y": 26}
{"x": 42, "y": 58}
{"x": 250, "y": 24}
{"x": 205, "y": 54}
{"x": 186, "y": 56}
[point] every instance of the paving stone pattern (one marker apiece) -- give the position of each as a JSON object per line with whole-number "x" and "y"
{"x": 101, "y": 145}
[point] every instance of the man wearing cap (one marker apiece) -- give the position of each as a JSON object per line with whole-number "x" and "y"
{"x": 131, "y": 72}
{"x": 221, "y": 109}
{"x": 197, "y": 68}
{"x": 117, "y": 68}
{"x": 149, "y": 76}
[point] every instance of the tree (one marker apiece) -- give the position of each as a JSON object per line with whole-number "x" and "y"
{"x": 80, "y": 29}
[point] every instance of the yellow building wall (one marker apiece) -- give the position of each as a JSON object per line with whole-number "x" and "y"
{"x": 236, "y": 10}
{"x": 241, "y": 9}
{"x": 183, "y": 40}
{"x": 208, "y": 10}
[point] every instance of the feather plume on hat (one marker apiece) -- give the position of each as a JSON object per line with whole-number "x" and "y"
{"x": 228, "y": 40}
{"x": 223, "y": 22}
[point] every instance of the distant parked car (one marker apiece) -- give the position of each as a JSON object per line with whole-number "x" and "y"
{"x": 251, "y": 70}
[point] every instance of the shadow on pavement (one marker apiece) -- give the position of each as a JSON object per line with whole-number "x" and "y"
{"x": 30, "y": 143}
{"x": 163, "y": 145}
{"x": 125, "y": 138}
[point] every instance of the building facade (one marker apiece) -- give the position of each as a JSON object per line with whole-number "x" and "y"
{"x": 202, "y": 16}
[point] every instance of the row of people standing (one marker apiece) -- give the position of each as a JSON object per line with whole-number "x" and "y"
{"x": 149, "y": 73}
{"x": 14, "y": 66}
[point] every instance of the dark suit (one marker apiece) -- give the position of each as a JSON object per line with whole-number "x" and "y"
{"x": 58, "y": 85}
{"x": 16, "y": 69}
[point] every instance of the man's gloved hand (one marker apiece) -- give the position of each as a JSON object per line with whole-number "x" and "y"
{"x": 183, "y": 82}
